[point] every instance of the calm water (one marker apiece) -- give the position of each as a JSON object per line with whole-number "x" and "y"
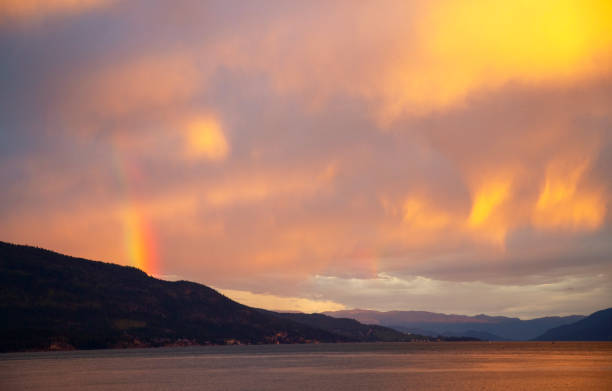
{"x": 393, "y": 366}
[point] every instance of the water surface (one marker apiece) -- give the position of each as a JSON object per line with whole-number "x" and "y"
{"x": 382, "y": 366}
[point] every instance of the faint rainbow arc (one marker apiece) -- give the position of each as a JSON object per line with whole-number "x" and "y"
{"x": 138, "y": 233}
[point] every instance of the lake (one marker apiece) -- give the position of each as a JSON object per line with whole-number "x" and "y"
{"x": 534, "y": 366}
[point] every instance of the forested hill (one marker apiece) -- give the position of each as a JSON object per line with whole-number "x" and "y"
{"x": 49, "y": 300}
{"x": 53, "y": 301}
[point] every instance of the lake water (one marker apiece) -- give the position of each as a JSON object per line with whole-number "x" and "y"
{"x": 382, "y": 366}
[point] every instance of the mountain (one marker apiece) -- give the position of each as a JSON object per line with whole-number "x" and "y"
{"x": 49, "y": 300}
{"x": 53, "y": 301}
{"x": 350, "y": 328}
{"x": 468, "y": 333}
{"x": 595, "y": 327}
{"x": 491, "y": 328}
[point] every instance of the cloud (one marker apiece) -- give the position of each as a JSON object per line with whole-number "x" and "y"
{"x": 463, "y": 47}
{"x": 420, "y": 57}
{"x": 278, "y": 303}
{"x": 205, "y": 139}
{"x": 414, "y": 58}
{"x": 562, "y": 204}
{"x": 564, "y": 296}
{"x": 113, "y": 96}
{"x": 263, "y": 145}
{"x": 35, "y": 10}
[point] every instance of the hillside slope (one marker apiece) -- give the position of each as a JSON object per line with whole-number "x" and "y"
{"x": 49, "y": 300}
{"x": 596, "y": 327}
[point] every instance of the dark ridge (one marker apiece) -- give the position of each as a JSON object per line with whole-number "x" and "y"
{"x": 352, "y": 329}
{"x": 595, "y": 327}
{"x": 480, "y": 326}
{"x": 53, "y": 301}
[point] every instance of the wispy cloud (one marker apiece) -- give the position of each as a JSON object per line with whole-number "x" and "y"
{"x": 280, "y": 303}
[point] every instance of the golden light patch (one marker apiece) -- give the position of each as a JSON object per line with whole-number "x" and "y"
{"x": 281, "y": 303}
{"x": 487, "y": 199}
{"x": 466, "y": 45}
{"x": 205, "y": 139}
{"x": 563, "y": 204}
{"x": 487, "y": 219}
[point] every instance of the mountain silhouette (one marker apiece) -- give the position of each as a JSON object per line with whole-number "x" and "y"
{"x": 352, "y": 329}
{"x": 493, "y": 328}
{"x": 595, "y": 327}
{"x": 53, "y": 301}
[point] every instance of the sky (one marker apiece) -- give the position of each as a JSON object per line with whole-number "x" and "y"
{"x": 447, "y": 155}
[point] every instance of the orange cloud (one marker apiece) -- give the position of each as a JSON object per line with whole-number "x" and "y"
{"x": 419, "y": 215}
{"x": 484, "y": 97}
{"x": 432, "y": 55}
{"x": 565, "y": 204}
{"x": 465, "y": 46}
{"x": 416, "y": 58}
{"x": 129, "y": 88}
{"x": 205, "y": 139}
{"x": 486, "y": 216}
{"x": 281, "y": 303}
{"x": 69, "y": 230}
{"x": 31, "y": 10}
{"x": 486, "y": 200}
{"x": 256, "y": 187}
{"x": 449, "y": 50}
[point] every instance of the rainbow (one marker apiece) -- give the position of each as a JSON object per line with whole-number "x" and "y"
{"x": 138, "y": 233}
{"x": 140, "y": 241}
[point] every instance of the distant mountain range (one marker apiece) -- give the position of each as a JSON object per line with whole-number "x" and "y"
{"x": 53, "y": 301}
{"x": 596, "y": 327}
{"x": 350, "y": 328}
{"x": 492, "y": 328}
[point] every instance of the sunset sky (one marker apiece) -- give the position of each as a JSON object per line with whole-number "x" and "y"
{"x": 451, "y": 156}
